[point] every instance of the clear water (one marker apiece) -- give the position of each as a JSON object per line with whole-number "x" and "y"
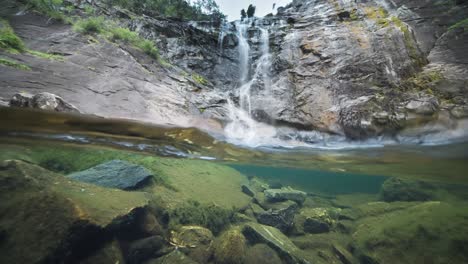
{"x": 347, "y": 189}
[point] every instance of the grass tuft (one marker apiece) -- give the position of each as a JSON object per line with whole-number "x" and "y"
{"x": 460, "y": 24}
{"x": 45, "y": 55}
{"x": 14, "y": 64}
{"x": 9, "y": 41}
{"x": 92, "y": 25}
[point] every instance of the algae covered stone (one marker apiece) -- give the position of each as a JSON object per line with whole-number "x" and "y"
{"x": 51, "y": 219}
{"x": 114, "y": 174}
{"x": 395, "y": 189}
{"x": 195, "y": 241}
{"x": 283, "y": 194}
{"x": 262, "y": 254}
{"x": 230, "y": 247}
{"x": 315, "y": 220}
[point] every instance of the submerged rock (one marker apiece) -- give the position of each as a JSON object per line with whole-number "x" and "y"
{"x": 281, "y": 217}
{"x": 144, "y": 249}
{"x": 114, "y": 174}
{"x": 314, "y": 220}
{"x": 195, "y": 241}
{"x": 230, "y": 247}
{"x": 110, "y": 253}
{"x": 262, "y": 254}
{"x": 51, "y": 219}
{"x": 395, "y": 189}
{"x": 283, "y": 194}
{"x": 176, "y": 257}
{"x": 273, "y": 237}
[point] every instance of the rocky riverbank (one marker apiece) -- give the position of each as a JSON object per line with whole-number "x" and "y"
{"x": 359, "y": 70}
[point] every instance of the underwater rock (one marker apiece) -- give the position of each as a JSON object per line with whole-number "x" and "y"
{"x": 195, "y": 241}
{"x": 248, "y": 190}
{"x": 261, "y": 254}
{"x": 74, "y": 218}
{"x": 396, "y": 189}
{"x": 110, "y": 253}
{"x": 176, "y": 257}
{"x": 344, "y": 255}
{"x": 257, "y": 233}
{"x": 230, "y": 247}
{"x": 114, "y": 174}
{"x": 419, "y": 233}
{"x": 144, "y": 249}
{"x": 281, "y": 217}
{"x": 314, "y": 220}
{"x": 286, "y": 193}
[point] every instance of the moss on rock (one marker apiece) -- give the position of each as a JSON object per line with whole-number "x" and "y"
{"x": 230, "y": 247}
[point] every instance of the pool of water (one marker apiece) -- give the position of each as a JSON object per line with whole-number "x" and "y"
{"x": 207, "y": 201}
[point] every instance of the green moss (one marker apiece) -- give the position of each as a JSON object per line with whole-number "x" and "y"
{"x": 230, "y": 247}
{"x": 199, "y": 79}
{"x": 409, "y": 42}
{"x": 9, "y": 41}
{"x": 45, "y": 55}
{"x": 192, "y": 212}
{"x": 89, "y": 10}
{"x": 461, "y": 24}
{"x": 14, "y": 64}
{"x": 149, "y": 48}
{"x": 353, "y": 15}
{"x": 131, "y": 37}
{"x": 423, "y": 81}
{"x": 92, "y": 25}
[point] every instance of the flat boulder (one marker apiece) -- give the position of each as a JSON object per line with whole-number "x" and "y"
{"x": 290, "y": 253}
{"x": 281, "y": 217}
{"x": 114, "y": 174}
{"x": 315, "y": 220}
{"x": 48, "y": 218}
{"x": 396, "y": 189}
{"x": 44, "y": 101}
{"x": 285, "y": 193}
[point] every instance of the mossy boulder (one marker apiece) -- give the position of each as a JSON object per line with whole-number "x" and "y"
{"x": 285, "y": 193}
{"x": 230, "y": 247}
{"x": 315, "y": 220}
{"x": 50, "y": 219}
{"x": 395, "y": 189}
{"x": 195, "y": 241}
{"x": 176, "y": 257}
{"x": 262, "y": 254}
{"x": 428, "y": 232}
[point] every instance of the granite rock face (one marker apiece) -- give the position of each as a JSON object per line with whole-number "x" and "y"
{"x": 114, "y": 174}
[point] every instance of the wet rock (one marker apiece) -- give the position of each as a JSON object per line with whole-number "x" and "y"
{"x": 344, "y": 255}
{"x": 283, "y": 194}
{"x": 281, "y": 217}
{"x": 262, "y": 254}
{"x": 110, "y": 253}
{"x": 150, "y": 225}
{"x": 4, "y": 102}
{"x": 52, "y": 219}
{"x": 114, "y": 174}
{"x": 230, "y": 247}
{"x": 423, "y": 106}
{"x": 195, "y": 241}
{"x": 395, "y": 189}
{"x": 21, "y": 100}
{"x": 248, "y": 190}
{"x": 460, "y": 111}
{"x": 257, "y": 233}
{"x": 315, "y": 220}
{"x": 144, "y": 249}
{"x": 413, "y": 234}
{"x": 176, "y": 257}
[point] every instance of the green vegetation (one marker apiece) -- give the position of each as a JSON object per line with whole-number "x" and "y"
{"x": 230, "y": 247}
{"x": 50, "y": 8}
{"x": 14, "y": 64}
{"x": 9, "y": 41}
{"x": 200, "y": 10}
{"x": 92, "y": 25}
{"x": 45, "y": 55}
{"x": 192, "y": 212}
{"x": 461, "y": 24}
{"x": 409, "y": 42}
{"x": 199, "y": 79}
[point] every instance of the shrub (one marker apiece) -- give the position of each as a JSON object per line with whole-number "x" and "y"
{"x": 90, "y": 25}
{"x": 149, "y": 48}
{"x": 124, "y": 34}
{"x": 50, "y": 8}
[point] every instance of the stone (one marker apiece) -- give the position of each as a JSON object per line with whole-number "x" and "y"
{"x": 52, "y": 219}
{"x": 52, "y": 102}
{"x": 230, "y": 247}
{"x": 315, "y": 220}
{"x": 21, "y": 100}
{"x": 282, "y": 217}
{"x": 195, "y": 241}
{"x": 424, "y": 106}
{"x": 262, "y": 254}
{"x": 283, "y": 194}
{"x": 176, "y": 257}
{"x": 396, "y": 189}
{"x": 460, "y": 111}
{"x": 344, "y": 255}
{"x": 144, "y": 249}
{"x": 274, "y": 238}
{"x": 248, "y": 190}
{"x": 110, "y": 253}
{"x": 114, "y": 174}
{"x": 4, "y": 102}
